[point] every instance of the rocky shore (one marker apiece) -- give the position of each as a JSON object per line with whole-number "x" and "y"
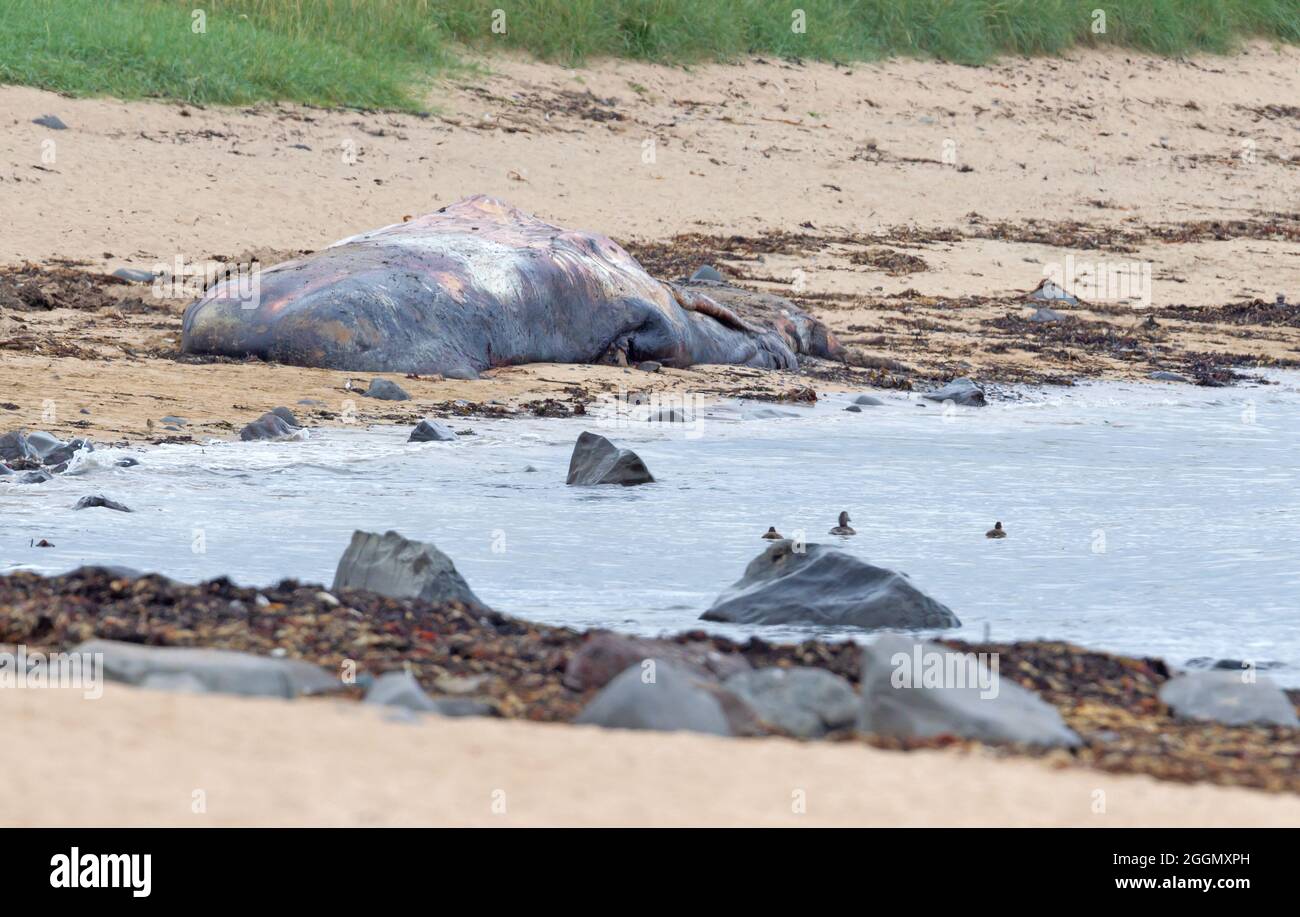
{"x": 511, "y": 668}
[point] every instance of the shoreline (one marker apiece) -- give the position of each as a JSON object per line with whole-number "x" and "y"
{"x": 522, "y": 670}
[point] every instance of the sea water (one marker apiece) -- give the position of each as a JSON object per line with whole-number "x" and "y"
{"x": 1158, "y": 520}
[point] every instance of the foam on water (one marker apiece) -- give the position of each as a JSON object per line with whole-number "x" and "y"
{"x": 1155, "y": 520}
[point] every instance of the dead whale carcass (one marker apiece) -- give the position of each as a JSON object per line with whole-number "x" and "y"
{"x": 475, "y": 285}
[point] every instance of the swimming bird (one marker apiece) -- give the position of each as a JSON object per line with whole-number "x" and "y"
{"x": 843, "y": 527}
{"x": 996, "y": 532}
{"x": 772, "y": 534}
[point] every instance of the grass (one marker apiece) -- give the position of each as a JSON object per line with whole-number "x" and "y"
{"x": 379, "y": 53}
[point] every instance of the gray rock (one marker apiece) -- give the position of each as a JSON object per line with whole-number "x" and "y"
{"x": 175, "y": 682}
{"x": 1234, "y": 665}
{"x": 269, "y": 427}
{"x": 385, "y": 390}
{"x": 39, "y": 476}
{"x": 95, "y": 500}
{"x": 172, "y": 418}
{"x": 53, "y": 122}
{"x": 604, "y": 655}
{"x": 870, "y": 401}
{"x": 131, "y": 275}
{"x": 14, "y": 447}
{"x": 854, "y": 409}
{"x": 959, "y": 391}
{"x": 899, "y": 700}
{"x": 676, "y": 700}
{"x": 708, "y": 272}
{"x": 431, "y": 431}
{"x": 127, "y": 462}
{"x": 1044, "y": 314}
{"x": 283, "y": 413}
{"x": 311, "y": 402}
{"x": 50, "y": 450}
{"x": 596, "y": 460}
{"x": 767, "y": 414}
{"x": 218, "y": 671}
{"x": 401, "y": 569}
{"x": 825, "y": 586}
{"x": 400, "y": 689}
{"x": 650, "y": 366}
{"x": 803, "y": 702}
{"x": 1166, "y": 376}
{"x": 1225, "y": 697}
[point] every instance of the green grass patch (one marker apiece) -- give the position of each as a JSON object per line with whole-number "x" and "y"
{"x": 380, "y": 53}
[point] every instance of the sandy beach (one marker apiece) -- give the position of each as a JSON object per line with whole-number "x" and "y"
{"x": 909, "y": 205}
{"x": 139, "y": 758}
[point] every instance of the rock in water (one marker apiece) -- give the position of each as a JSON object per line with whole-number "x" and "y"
{"x": 664, "y": 698}
{"x": 431, "y": 431}
{"x": 870, "y": 401}
{"x": 596, "y": 460}
{"x": 914, "y": 689}
{"x": 99, "y": 500}
{"x": 605, "y": 655}
{"x": 270, "y": 427}
{"x": 803, "y": 702}
{"x": 1224, "y": 697}
{"x": 14, "y": 447}
{"x": 959, "y": 391}
{"x": 475, "y": 285}
{"x": 823, "y": 585}
{"x": 1166, "y": 376}
{"x": 219, "y": 671}
{"x": 401, "y": 569}
{"x": 386, "y": 390}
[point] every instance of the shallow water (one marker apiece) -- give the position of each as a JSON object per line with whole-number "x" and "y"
{"x": 1155, "y": 520}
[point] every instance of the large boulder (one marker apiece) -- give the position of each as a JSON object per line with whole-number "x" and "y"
{"x": 271, "y": 426}
{"x": 959, "y": 391}
{"x": 217, "y": 671}
{"x": 386, "y": 390}
{"x": 825, "y": 586}
{"x": 803, "y": 702}
{"x": 1228, "y": 698}
{"x": 604, "y": 655}
{"x": 401, "y": 569}
{"x": 431, "y": 431}
{"x": 666, "y": 698}
{"x": 596, "y": 460}
{"x": 914, "y": 689}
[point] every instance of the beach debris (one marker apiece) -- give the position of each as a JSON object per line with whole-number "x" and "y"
{"x": 271, "y": 426}
{"x": 53, "y": 122}
{"x": 431, "y": 431}
{"x": 605, "y": 654}
{"x": 963, "y": 392}
{"x": 656, "y": 694}
{"x": 1166, "y": 376}
{"x": 400, "y": 568}
{"x": 915, "y": 689}
{"x": 97, "y": 500}
{"x": 816, "y": 584}
{"x": 595, "y": 460}
{"x": 1228, "y": 698}
{"x": 802, "y": 702}
{"x": 1050, "y": 291}
{"x": 386, "y": 390}
{"x": 210, "y": 670}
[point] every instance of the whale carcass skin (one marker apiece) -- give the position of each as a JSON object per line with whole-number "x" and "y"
{"x": 480, "y": 284}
